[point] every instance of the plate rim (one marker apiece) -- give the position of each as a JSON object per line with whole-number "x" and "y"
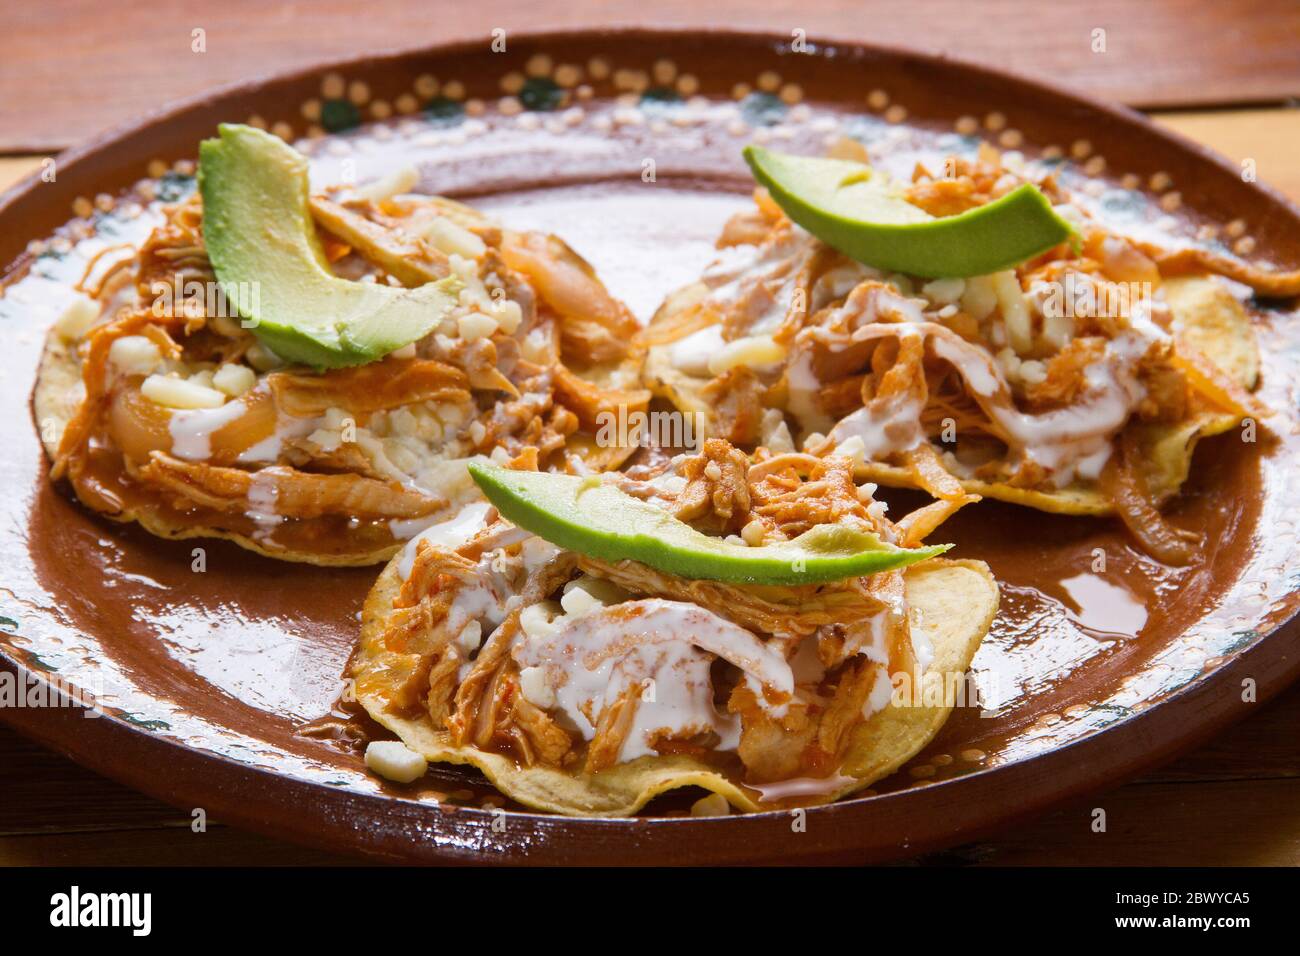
{"x": 79, "y": 151}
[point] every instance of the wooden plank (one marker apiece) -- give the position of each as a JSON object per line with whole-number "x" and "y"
{"x": 1239, "y": 823}
{"x": 176, "y": 846}
{"x": 1262, "y": 746}
{"x": 1239, "y": 795}
{"x": 47, "y": 793}
{"x": 14, "y": 168}
{"x": 1159, "y": 53}
{"x": 1234, "y": 823}
{"x": 1269, "y": 139}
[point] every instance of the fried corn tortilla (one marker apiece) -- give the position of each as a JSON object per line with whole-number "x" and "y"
{"x": 1216, "y": 323}
{"x": 1078, "y": 383}
{"x": 335, "y": 467}
{"x": 484, "y": 645}
{"x": 1206, "y": 315}
{"x": 953, "y": 602}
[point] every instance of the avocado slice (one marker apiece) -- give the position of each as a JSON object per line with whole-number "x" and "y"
{"x": 861, "y": 213}
{"x": 262, "y": 243}
{"x": 598, "y": 520}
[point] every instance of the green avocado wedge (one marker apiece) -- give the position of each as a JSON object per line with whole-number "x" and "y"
{"x": 262, "y": 243}
{"x": 862, "y": 214}
{"x": 598, "y": 520}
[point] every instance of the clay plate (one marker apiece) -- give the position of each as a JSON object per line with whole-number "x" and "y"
{"x": 219, "y": 688}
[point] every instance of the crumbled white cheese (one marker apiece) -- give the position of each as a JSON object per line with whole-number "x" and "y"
{"x": 451, "y": 415}
{"x": 234, "y": 379}
{"x": 978, "y": 298}
{"x": 77, "y": 318}
{"x": 508, "y": 315}
{"x": 752, "y": 351}
{"x": 852, "y": 447}
{"x": 473, "y": 293}
{"x": 1010, "y": 363}
{"x": 1015, "y": 311}
{"x": 401, "y": 421}
{"x": 262, "y": 358}
{"x": 536, "y": 619}
{"x": 944, "y": 291}
{"x": 606, "y": 592}
{"x": 470, "y": 637}
{"x": 179, "y": 393}
{"x": 403, "y": 457}
{"x": 670, "y": 483}
{"x": 692, "y": 353}
{"x": 714, "y": 805}
{"x": 577, "y": 601}
{"x": 134, "y": 355}
{"x": 1058, "y": 330}
{"x": 475, "y": 325}
{"x": 393, "y": 760}
{"x": 900, "y": 282}
{"x": 454, "y": 239}
{"x": 399, "y": 181}
{"x": 776, "y": 433}
{"x": 536, "y": 347}
{"x": 1033, "y": 372}
{"x": 535, "y": 688}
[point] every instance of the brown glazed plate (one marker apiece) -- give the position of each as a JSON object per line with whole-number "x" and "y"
{"x": 218, "y": 690}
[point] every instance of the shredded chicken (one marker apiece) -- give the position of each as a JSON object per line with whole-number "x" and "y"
{"x": 281, "y": 492}
{"x": 596, "y": 327}
{"x": 472, "y": 717}
{"x": 797, "y": 492}
{"x": 771, "y": 609}
{"x": 612, "y": 726}
{"x": 736, "y": 401}
{"x": 481, "y": 702}
{"x": 175, "y": 252}
{"x": 364, "y": 389}
{"x": 1197, "y": 261}
{"x": 981, "y": 369}
{"x": 70, "y": 456}
{"x": 1066, "y": 374}
{"x": 594, "y": 405}
{"x": 508, "y": 389}
{"x": 716, "y": 496}
{"x": 411, "y": 261}
{"x": 1123, "y": 480}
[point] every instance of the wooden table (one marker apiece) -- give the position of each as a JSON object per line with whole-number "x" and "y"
{"x": 1225, "y": 74}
